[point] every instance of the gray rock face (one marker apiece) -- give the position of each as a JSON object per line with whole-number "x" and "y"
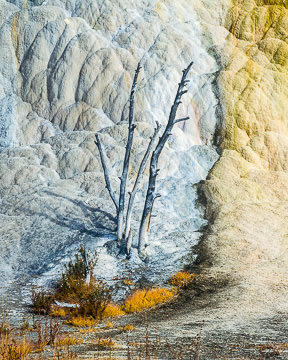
{"x": 65, "y": 73}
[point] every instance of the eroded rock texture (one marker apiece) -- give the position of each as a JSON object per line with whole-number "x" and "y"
{"x": 66, "y": 73}
{"x": 66, "y": 69}
{"x": 247, "y": 189}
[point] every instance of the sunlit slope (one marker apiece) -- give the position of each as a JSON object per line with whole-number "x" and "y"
{"x": 247, "y": 190}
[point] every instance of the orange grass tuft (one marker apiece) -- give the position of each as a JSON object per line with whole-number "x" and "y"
{"x": 11, "y": 349}
{"x": 58, "y": 312}
{"x": 181, "y": 279}
{"x": 105, "y": 343}
{"x": 68, "y": 340}
{"x": 80, "y": 321}
{"x": 145, "y": 299}
{"x": 112, "y": 310}
{"x": 128, "y": 328}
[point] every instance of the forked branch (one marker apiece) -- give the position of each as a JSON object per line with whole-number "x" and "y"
{"x": 151, "y": 194}
{"x": 106, "y": 172}
{"x": 131, "y": 128}
{"x": 128, "y": 230}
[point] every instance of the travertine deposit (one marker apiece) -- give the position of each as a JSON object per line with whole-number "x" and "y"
{"x": 66, "y": 73}
{"x": 66, "y": 69}
{"x": 246, "y": 191}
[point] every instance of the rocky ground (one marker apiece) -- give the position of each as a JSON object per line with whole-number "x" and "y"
{"x": 212, "y": 322}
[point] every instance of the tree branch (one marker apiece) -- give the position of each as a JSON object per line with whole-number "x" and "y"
{"x": 179, "y": 120}
{"x": 128, "y": 231}
{"x": 106, "y": 173}
{"x": 131, "y": 128}
{"x": 150, "y": 195}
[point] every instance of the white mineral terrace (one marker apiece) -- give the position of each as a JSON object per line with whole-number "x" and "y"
{"x": 67, "y": 70}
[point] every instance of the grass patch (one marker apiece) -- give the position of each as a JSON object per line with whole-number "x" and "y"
{"x": 80, "y": 321}
{"x": 12, "y": 349}
{"x": 91, "y": 297}
{"x": 181, "y": 279}
{"x": 67, "y": 340}
{"x": 109, "y": 325}
{"x": 103, "y": 344}
{"x": 58, "y": 312}
{"x": 128, "y": 328}
{"x": 146, "y": 299}
{"x": 41, "y": 302}
{"x": 113, "y": 310}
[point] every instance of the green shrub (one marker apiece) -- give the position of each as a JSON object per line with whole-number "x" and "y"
{"x": 94, "y": 299}
{"x": 91, "y": 299}
{"x": 71, "y": 285}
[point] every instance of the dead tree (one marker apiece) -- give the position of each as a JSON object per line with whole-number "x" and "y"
{"x": 132, "y": 194}
{"x": 123, "y": 178}
{"x": 106, "y": 173}
{"x": 120, "y": 204}
{"x": 124, "y": 235}
{"x": 151, "y": 194}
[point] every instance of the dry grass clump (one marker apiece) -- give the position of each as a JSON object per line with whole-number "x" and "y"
{"x": 4, "y": 328}
{"x": 11, "y": 349}
{"x": 128, "y": 282}
{"x": 112, "y": 310}
{"x": 91, "y": 298}
{"x": 65, "y": 340}
{"x": 41, "y": 302}
{"x": 80, "y": 321}
{"x": 47, "y": 331}
{"x": 128, "y": 328}
{"x": 58, "y": 312}
{"x": 103, "y": 344}
{"x": 73, "y": 278}
{"x": 145, "y": 299}
{"x": 109, "y": 325}
{"x": 182, "y": 279}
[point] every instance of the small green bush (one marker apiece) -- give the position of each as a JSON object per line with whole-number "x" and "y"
{"x": 71, "y": 285}
{"x": 91, "y": 299}
{"x": 94, "y": 299}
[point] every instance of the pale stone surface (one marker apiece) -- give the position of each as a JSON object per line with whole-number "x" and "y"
{"x": 247, "y": 189}
{"x": 66, "y": 72}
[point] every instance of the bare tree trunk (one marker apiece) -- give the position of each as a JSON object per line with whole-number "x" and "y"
{"x": 151, "y": 195}
{"x": 128, "y": 230}
{"x": 131, "y": 128}
{"x": 106, "y": 173}
{"x": 128, "y": 242}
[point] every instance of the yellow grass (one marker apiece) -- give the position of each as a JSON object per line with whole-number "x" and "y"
{"x": 128, "y": 282}
{"x": 109, "y": 325}
{"x": 58, "y": 312}
{"x": 68, "y": 340}
{"x": 11, "y": 349}
{"x": 89, "y": 330}
{"x": 128, "y": 327}
{"x": 112, "y": 310}
{"x": 80, "y": 321}
{"x": 182, "y": 279}
{"x": 145, "y": 299}
{"x": 105, "y": 343}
